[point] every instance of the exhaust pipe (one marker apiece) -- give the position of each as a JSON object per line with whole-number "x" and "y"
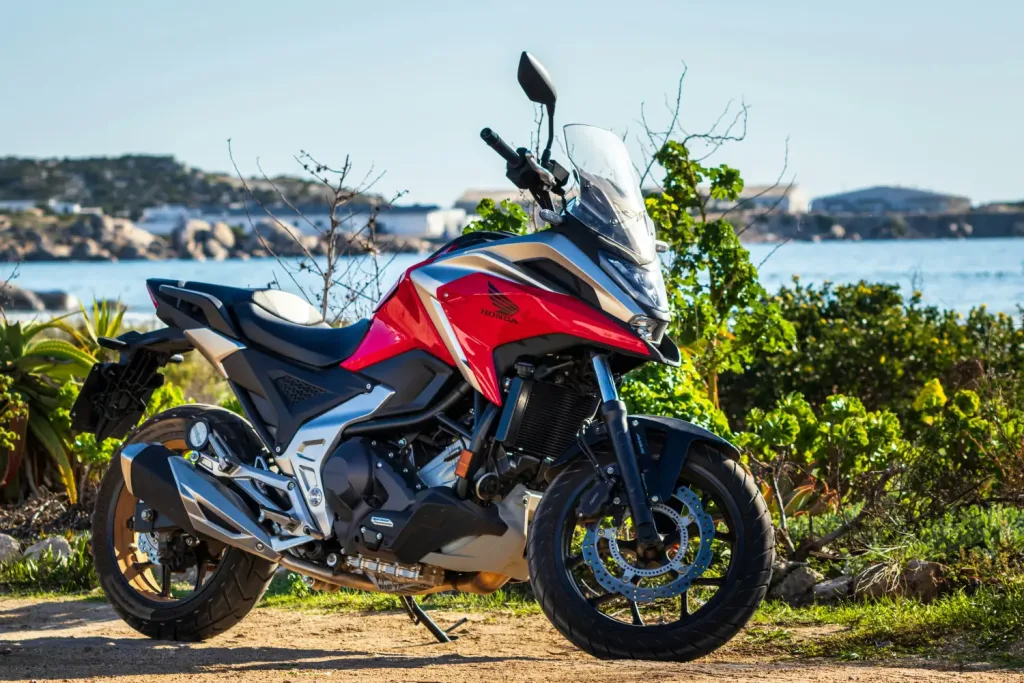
{"x": 199, "y": 504}
{"x": 192, "y": 499}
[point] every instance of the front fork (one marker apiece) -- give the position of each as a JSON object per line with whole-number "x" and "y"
{"x": 613, "y": 411}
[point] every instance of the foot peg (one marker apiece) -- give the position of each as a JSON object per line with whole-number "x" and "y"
{"x": 418, "y": 616}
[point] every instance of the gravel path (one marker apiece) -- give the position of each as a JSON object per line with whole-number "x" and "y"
{"x": 84, "y": 640}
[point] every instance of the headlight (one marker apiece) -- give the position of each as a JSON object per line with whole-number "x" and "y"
{"x": 643, "y": 283}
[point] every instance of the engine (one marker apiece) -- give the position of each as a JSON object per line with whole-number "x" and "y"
{"x": 387, "y": 508}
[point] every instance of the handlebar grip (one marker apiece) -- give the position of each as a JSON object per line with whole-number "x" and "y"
{"x": 498, "y": 145}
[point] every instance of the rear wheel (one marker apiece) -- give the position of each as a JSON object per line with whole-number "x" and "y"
{"x": 169, "y": 585}
{"x": 614, "y": 599}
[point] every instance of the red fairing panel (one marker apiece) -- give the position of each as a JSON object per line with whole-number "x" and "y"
{"x": 486, "y": 312}
{"x": 400, "y": 324}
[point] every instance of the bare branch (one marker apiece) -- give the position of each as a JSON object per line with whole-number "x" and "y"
{"x": 337, "y": 261}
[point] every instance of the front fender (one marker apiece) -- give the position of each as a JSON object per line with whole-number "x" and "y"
{"x": 660, "y": 466}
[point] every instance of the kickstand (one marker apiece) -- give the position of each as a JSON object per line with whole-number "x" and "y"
{"x": 418, "y": 616}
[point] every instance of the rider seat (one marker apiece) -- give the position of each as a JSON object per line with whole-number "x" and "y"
{"x": 278, "y": 322}
{"x": 288, "y": 326}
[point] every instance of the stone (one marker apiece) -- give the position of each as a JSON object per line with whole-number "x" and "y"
{"x": 58, "y": 546}
{"x": 780, "y": 569}
{"x": 832, "y": 590}
{"x": 86, "y": 250}
{"x": 223, "y": 233}
{"x": 185, "y": 236}
{"x": 796, "y": 588}
{"x": 127, "y": 233}
{"x": 923, "y": 580}
{"x": 837, "y": 232}
{"x": 17, "y": 299}
{"x": 873, "y": 583}
{"x": 133, "y": 253}
{"x": 56, "y": 300}
{"x": 89, "y": 226}
{"x": 215, "y": 250}
{"x": 10, "y": 549}
{"x": 283, "y": 239}
{"x": 158, "y": 248}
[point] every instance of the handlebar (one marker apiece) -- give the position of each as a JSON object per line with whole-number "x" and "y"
{"x": 498, "y": 145}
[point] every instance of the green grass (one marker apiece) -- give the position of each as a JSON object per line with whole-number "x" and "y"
{"x": 289, "y": 592}
{"x": 49, "y": 575}
{"x": 986, "y": 626}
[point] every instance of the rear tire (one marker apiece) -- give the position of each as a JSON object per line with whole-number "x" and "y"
{"x": 230, "y": 592}
{"x": 743, "y": 585}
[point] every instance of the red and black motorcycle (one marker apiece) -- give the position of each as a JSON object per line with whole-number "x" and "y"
{"x": 467, "y": 435}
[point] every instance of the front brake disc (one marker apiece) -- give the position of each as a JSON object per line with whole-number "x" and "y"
{"x": 631, "y": 575}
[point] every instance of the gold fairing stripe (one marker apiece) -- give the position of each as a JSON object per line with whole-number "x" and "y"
{"x": 499, "y": 259}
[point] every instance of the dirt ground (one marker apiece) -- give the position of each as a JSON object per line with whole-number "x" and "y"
{"x": 74, "y": 640}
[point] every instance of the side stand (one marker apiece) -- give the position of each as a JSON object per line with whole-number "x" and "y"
{"x": 418, "y": 616}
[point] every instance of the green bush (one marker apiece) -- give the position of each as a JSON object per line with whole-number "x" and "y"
{"x": 50, "y": 574}
{"x": 987, "y": 539}
{"x": 865, "y": 340}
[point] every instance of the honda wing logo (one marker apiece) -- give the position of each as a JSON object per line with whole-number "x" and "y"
{"x": 504, "y": 308}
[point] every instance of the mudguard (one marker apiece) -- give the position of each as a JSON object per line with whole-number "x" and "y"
{"x": 660, "y": 471}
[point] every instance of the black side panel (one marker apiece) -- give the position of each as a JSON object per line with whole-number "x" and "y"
{"x": 417, "y": 378}
{"x": 293, "y": 392}
{"x": 437, "y": 517}
{"x": 550, "y": 272}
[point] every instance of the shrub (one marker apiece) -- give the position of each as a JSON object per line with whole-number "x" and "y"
{"x": 865, "y": 340}
{"x": 50, "y": 573}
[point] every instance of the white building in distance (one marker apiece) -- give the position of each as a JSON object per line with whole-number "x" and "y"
{"x": 890, "y": 199}
{"x": 423, "y": 221}
{"x": 54, "y": 205}
{"x": 779, "y": 198}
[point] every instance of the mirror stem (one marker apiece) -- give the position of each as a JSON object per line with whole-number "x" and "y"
{"x": 546, "y": 156}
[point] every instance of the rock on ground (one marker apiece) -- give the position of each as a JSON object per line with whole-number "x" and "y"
{"x": 781, "y": 569}
{"x": 10, "y": 549}
{"x": 55, "y": 544}
{"x": 923, "y": 580}
{"x": 832, "y": 590}
{"x": 874, "y": 582}
{"x": 796, "y": 588}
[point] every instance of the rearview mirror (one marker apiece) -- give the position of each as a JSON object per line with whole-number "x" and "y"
{"x": 536, "y": 82}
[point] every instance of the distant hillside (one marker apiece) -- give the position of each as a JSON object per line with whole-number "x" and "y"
{"x": 124, "y": 186}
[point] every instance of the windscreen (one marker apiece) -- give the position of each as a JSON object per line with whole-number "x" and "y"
{"x": 609, "y": 200}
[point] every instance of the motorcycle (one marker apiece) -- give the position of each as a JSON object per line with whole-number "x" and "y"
{"x": 469, "y": 434}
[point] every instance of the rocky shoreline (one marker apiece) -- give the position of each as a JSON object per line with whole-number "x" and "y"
{"x": 96, "y": 237}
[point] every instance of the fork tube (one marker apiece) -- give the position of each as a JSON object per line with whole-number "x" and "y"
{"x": 613, "y": 410}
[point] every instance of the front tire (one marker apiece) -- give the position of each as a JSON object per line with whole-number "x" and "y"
{"x": 135, "y": 587}
{"x": 734, "y": 586}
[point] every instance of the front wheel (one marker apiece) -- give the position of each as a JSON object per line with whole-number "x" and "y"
{"x": 616, "y": 600}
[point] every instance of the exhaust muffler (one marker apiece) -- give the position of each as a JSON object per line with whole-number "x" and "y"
{"x": 199, "y": 504}
{"x": 192, "y": 499}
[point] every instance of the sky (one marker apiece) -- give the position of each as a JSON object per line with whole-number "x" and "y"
{"x": 905, "y": 92}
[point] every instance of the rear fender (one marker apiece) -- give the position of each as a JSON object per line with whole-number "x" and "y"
{"x": 660, "y": 470}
